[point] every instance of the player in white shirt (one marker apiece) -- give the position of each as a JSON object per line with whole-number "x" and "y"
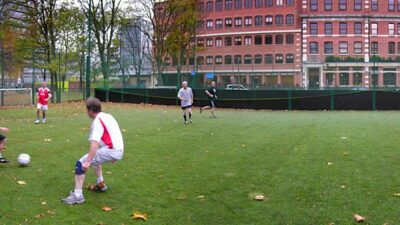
{"x": 106, "y": 145}
{"x": 185, "y": 94}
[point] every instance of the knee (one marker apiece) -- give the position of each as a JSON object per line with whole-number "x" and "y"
{"x": 78, "y": 168}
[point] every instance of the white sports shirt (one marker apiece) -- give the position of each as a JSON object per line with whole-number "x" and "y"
{"x": 106, "y": 132}
{"x": 187, "y": 96}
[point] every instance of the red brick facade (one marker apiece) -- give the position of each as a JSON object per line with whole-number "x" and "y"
{"x": 309, "y": 43}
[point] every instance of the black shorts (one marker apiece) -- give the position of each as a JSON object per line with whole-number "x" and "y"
{"x": 186, "y": 107}
{"x": 212, "y": 103}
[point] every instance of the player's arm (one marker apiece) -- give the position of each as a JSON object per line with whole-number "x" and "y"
{"x": 208, "y": 93}
{"x": 49, "y": 96}
{"x": 191, "y": 96}
{"x": 94, "y": 145}
{"x": 180, "y": 96}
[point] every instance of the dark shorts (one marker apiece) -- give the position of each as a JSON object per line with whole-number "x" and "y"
{"x": 186, "y": 107}
{"x": 212, "y": 103}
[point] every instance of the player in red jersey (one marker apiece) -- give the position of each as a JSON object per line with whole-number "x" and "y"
{"x": 43, "y": 96}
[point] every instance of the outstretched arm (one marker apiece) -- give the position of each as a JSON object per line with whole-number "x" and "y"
{"x": 94, "y": 145}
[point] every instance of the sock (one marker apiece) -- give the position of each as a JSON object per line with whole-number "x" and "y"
{"x": 184, "y": 117}
{"x": 78, "y": 193}
{"x": 190, "y": 116}
{"x": 100, "y": 179}
{"x": 1, "y": 155}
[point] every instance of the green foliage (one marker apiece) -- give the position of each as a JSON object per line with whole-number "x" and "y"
{"x": 343, "y": 59}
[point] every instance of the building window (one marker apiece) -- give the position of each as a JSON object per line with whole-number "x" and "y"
{"x": 248, "y": 59}
{"x": 269, "y": 3}
{"x": 342, "y": 5}
{"x": 218, "y": 59}
{"x": 313, "y": 5}
{"x": 391, "y": 28}
{"x": 269, "y": 59}
{"x": 218, "y": 42}
{"x": 228, "y": 22}
{"x": 238, "y": 41}
{"x": 257, "y": 59}
{"x": 289, "y": 58}
{"x": 218, "y": 5}
{"x": 200, "y": 60}
{"x": 279, "y": 20}
{"x": 357, "y": 5}
{"x": 210, "y": 6}
{"x": 328, "y": 28}
{"x": 248, "y": 21}
{"x": 391, "y": 6}
{"x": 398, "y": 5}
{"x": 374, "y": 29}
{"x": 374, "y": 5}
{"x": 218, "y": 23}
{"x": 357, "y": 28}
{"x": 398, "y": 47}
{"x": 357, "y": 79}
{"x": 238, "y": 59}
{"x": 343, "y": 47}
{"x": 289, "y": 2}
{"x": 344, "y": 79}
{"x": 392, "y": 48}
{"x": 258, "y": 40}
{"x": 228, "y": 60}
{"x": 268, "y": 40}
{"x": 258, "y": 20}
{"x": 247, "y": 40}
{"x": 191, "y": 61}
{"x": 279, "y": 39}
{"x": 210, "y": 24}
{"x": 268, "y": 20}
{"x": 238, "y": 22}
{"x": 358, "y": 48}
{"x": 209, "y": 60}
{"x": 248, "y": 4}
{"x": 328, "y": 48}
{"x": 279, "y": 2}
{"x": 289, "y": 39}
{"x": 389, "y": 76}
{"x": 228, "y": 4}
{"x": 238, "y": 4}
{"x": 259, "y": 3}
{"x": 313, "y": 29}
{"x": 228, "y": 41}
{"x": 328, "y": 5}
{"x": 374, "y": 48}
{"x": 278, "y": 58}
{"x": 209, "y": 42}
{"x": 200, "y": 43}
{"x": 200, "y": 24}
{"x": 200, "y": 7}
{"x": 290, "y": 19}
{"x": 313, "y": 47}
{"x": 343, "y": 28}
{"x": 398, "y": 28}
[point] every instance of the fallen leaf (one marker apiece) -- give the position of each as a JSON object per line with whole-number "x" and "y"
{"x": 48, "y": 140}
{"x": 200, "y": 196}
{"x": 396, "y": 194}
{"x": 38, "y": 216}
{"x": 343, "y": 138}
{"x": 342, "y": 186}
{"x": 43, "y": 203}
{"x": 139, "y": 215}
{"x": 330, "y": 163}
{"x": 259, "y": 198}
{"x": 109, "y": 172}
{"x": 345, "y": 153}
{"x": 181, "y": 197}
{"x": 100, "y": 223}
{"x": 106, "y": 208}
{"x": 331, "y": 224}
{"x": 21, "y": 182}
{"x": 123, "y": 130}
{"x": 358, "y": 218}
{"x": 51, "y": 212}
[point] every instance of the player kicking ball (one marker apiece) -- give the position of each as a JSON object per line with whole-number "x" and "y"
{"x": 212, "y": 97}
{"x": 106, "y": 145}
{"x": 43, "y": 96}
{"x": 185, "y": 94}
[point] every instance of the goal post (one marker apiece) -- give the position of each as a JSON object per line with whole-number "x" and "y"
{"x": 15, "y": 96}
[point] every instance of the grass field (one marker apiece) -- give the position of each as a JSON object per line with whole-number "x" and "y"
{"x": 314, "y": 167}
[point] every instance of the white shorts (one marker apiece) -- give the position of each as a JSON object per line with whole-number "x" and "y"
{"x": 104, "y": 155}
{"x": 42, "y": 107}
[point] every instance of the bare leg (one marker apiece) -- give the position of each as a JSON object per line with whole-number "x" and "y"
{"x": 99, "y": 171}
{"x": 38, "y": 114}
{"x": 205, "y": 108}
{"x": 212, "y": 111}
{"x": 44, "y": 114}
{"x": 79, "y": 179}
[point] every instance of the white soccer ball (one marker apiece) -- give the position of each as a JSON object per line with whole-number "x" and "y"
{"x": 24, "y": 159}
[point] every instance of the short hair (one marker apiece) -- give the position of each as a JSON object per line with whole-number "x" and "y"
{"x": 184, "y": 82}
{"x": 93, "y": 104}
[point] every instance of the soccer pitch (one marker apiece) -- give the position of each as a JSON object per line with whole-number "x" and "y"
{"x": 313, "y": 167}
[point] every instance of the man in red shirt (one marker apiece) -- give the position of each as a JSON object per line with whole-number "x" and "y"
{"x": 43, "y": 96}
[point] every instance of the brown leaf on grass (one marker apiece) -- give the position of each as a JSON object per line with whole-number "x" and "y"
{"x": 100, "y": 223}
{"x": 181, "y": 197}
{"x": 331, "y": 224}
{"x": 43, "y": 203}
{"x": 138, "y": 215}
{"x": 358, "y": 218}
{"x": 259, "y": 198}
{"x": 21, "y": 182}
{"x": 38, "y": 216}
{"x": 106, "y": 208}
{"x": 91, "y": 187}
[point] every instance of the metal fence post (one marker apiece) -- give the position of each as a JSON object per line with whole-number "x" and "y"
{"x": 290, "y": 99}
{"x": 374, "y": 99}
{"x": 332, "y": 94}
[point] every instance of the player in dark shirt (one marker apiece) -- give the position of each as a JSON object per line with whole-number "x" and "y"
{"x": 212, "y": 97}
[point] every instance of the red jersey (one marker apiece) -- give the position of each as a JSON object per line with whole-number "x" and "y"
{"x": 43, "y": 94}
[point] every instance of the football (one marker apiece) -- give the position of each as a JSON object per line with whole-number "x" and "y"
{"x": 24, "y": 159}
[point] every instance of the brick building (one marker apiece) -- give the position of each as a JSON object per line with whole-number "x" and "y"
{"x": 308, "y": 43}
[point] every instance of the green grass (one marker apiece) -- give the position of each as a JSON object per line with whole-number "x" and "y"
{"x": 283, "y": 155}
